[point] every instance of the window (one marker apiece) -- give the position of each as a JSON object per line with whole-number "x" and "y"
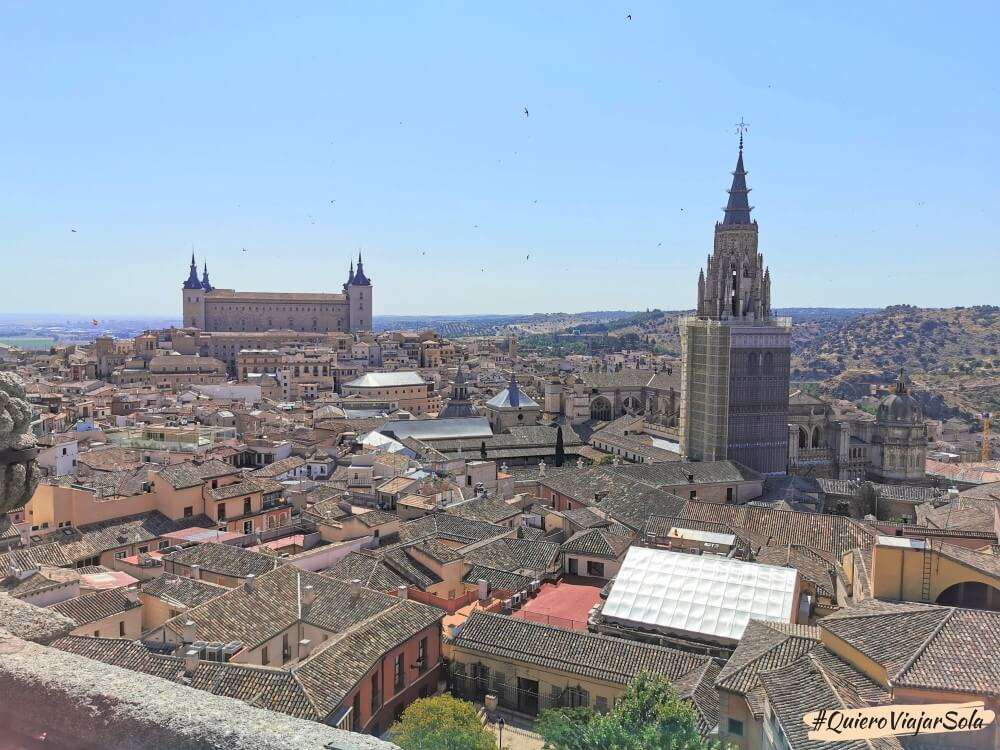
{"x": 265, "y": 658}
{"x": 693, "y": 494}
{"x": 120, "y": 554}
{"x": 164, "y": 544}
{"x": 286, "y": 651}
{"x": 601, "y": 704}
{"x": 735, "y": 726}
{"x": 220, "y": 511}
{"x": 399, "y": 674}
{"x": 144, "y": 549}
{"x": 376, "y": 693}
{"x": 248, "y": 527}
{"x": 356, "y": 712}
{"x": 422, "y": 655}
{"x": 189, "y": 511}
{"x": 595, "y": 569}
{"x": 121, "y": 628}
{"x": 729, "y": 494}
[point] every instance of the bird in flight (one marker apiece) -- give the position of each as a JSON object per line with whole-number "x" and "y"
{"x": 244, "y": 249}
{"x": 528, "y": 256}
{"x": 526, "y": 112}
{"x": 628, "y": 16}
{"x": 73, "y": 230}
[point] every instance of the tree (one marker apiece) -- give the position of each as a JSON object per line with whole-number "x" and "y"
{"x": 560, "y": 450}
{"x": 482, "y": 450}
{"x": 441, "y": 723}
{"x": 647, "y": 716}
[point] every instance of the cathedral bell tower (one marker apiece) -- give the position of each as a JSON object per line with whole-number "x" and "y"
{"x": 735, "y": 355}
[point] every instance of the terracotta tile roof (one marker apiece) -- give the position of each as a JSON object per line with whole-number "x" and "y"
{"x": 768, "y": 527}
{"x": 225, "y": 559}
{"x": 963, "y": 655}
{"x": 814, "y": 567}
{"x": 764, "y": 646}
{"x": 181, "y": 590}
{"x": 819, "y": 680}
{"x": 193, "y": 474}
{"x": 597, "y": 543}
{"x": 97, "y": 606}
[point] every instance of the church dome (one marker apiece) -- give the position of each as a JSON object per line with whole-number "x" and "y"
{"x": 899, "y": 406}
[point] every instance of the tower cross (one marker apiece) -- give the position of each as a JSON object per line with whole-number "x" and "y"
{"x": 741, "y": 128}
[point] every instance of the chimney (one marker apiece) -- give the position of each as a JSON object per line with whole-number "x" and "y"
{"x": 251, "y": 578}
{"x": 484, "y": 589}
{"x": 196, "y": 572}
{"x": 305, "y": 647}
{"x": 189, "y": 631}
{"x": 402, "y": 592}
{"x": 190, "y": 661}
{"x": 308, "y": 596}
{"x": 133, "y": 594}
{"x": 355, "y": 588}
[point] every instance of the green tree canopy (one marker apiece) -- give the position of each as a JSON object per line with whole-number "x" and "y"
{"x": 648, "y": 716}
{"x": 441, "y": 723}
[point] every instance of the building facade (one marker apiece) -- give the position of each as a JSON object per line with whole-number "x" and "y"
{"x": 734, "y": 353}
{"x": 211, "y": 309}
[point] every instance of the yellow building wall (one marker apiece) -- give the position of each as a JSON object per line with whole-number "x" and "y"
{"x": 108, "y": 627}
{"x": 898, "y": 574}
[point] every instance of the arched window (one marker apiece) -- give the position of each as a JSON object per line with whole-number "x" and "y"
{"x": 803, "y": 438}
{"x": 753, "y": 363}
{"x": 768, "y": 362}
{"x": 815, "y": 440}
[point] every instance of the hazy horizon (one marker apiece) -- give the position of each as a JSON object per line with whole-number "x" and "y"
{"x": 278, "y": 144}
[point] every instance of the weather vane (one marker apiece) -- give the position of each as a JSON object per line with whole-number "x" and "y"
{"x": 741, "y": 128}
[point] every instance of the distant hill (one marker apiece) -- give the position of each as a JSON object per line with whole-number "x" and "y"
{"x": 490, "y": 325}
{"x": 954, "y": 352}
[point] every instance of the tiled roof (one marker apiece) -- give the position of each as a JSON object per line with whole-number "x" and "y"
{"x": 489, "y": 509}
{"x": 963, "y": 656}
{"x": 51, "y": 553}
{"x": 451, "y": 527}
{"x": 889, "y": 634}
{"x": 225, "y": 559}
{"x": 96, "y": 606}
{"x": 497, "y": 579}
{"x": 110, "y": 459}
{"x": 181, "y": 590}
{"x": 140, "y": 528}
{"x": 274, "y": 603}
{"x": 193, "y": 474}
{"x": 819, "y": 680}
{"x": 373, "y": 572}
{"x": 278, "y": 468}
{"x": 768, "y": 527}
{"x": 596, "y": 543}
{"x": 702, "y": 472}
{"x": 265, "y": 687}
{"x": 602, "y": 657}
{"x": 812, "y": 566}
{"x": 526, "y": 556}
{"x": 765, "y": 645}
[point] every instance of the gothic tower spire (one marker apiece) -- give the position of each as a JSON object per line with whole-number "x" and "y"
{"x": 205, "y": 283}
{"x": 192, "y": 279}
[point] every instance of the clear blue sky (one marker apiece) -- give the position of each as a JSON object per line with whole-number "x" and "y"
{"x": 149, "y": 127}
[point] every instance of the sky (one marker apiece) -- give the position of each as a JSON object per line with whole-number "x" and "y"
{"x": 280, "y": 139}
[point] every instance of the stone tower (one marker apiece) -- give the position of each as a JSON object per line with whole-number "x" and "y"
{"x": 193, "y": 292}
{"x": 734, "y": 353}
{"x": 900, "y": 439}
{"x": 359, "y": 299}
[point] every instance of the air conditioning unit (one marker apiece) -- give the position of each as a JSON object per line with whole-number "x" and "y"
{"x": 508, "y": 606}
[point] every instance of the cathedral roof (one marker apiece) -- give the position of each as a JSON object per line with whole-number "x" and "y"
{"x": 738, "y": 208}
{"x": 899, "y": 406}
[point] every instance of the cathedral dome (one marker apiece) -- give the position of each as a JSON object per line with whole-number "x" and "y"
{"x": 899, "y": 406}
